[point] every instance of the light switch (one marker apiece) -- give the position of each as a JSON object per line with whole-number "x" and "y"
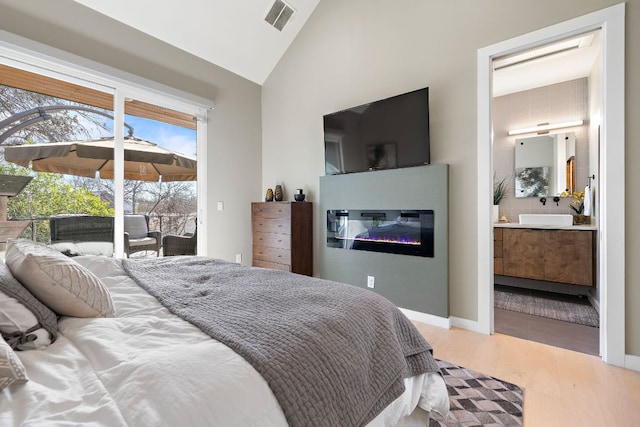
{"x": 220, "y": 206}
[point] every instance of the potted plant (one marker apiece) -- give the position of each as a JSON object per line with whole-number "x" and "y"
{"x": 577, "y": 206}
{"x": 499, "y": 193}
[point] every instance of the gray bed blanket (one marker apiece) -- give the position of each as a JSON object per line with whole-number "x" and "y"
{"x": 333, "y": 354}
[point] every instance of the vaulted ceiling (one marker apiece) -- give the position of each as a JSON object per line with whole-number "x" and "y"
{"x": 232, "y": 34}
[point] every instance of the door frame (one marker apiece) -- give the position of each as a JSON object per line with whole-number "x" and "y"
{"x": 611, "y": 233}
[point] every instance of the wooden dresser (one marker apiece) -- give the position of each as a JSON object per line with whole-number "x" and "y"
{"x": 283, "y": 236}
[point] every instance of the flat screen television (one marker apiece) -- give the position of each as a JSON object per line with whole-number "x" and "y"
{"x": 386, "y": 134}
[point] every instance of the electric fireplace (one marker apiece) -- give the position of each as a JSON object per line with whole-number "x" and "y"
{"x": 405, "y": 232}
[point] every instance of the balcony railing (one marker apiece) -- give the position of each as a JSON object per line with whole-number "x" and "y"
{"x": 168, "y": 223}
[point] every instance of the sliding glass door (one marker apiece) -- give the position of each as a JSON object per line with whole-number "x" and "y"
{"x": 87, "y": 149}
{"x": 44, "y": 178}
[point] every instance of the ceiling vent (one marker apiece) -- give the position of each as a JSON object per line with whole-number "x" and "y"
{"x": 279, "y": 15}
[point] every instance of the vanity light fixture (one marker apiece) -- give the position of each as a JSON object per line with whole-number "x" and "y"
{"x": 546, "y": 127}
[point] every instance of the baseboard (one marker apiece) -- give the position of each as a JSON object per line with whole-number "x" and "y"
{"x": 470, "y": 325}
{"x": 428, "y": 319}
{"x": 441, "y": 322}
{"x": 632, "y": 362}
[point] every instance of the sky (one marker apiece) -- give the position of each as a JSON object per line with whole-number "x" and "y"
{"x": 175, "y": 138}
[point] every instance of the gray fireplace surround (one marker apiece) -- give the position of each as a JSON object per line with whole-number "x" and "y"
{"x": 412, "y": 282}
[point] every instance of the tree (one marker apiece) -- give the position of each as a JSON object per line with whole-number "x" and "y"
{"x": 62, "y": 125}
{"x": 50, "y": 194}
{"x": 174, "y": 201}
{"x": 180, "y": 200}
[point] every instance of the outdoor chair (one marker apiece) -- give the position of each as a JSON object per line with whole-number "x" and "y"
{"x": 180, "y": 245}
{"x": 82, "y": 234}
{"x": 137, "y": 236}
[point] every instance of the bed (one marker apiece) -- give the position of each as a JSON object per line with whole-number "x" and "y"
{"x": 120, "y": 357}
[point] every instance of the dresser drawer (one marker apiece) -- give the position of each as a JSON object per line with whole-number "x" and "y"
{"x": 271, "y": 225}
{"x": 280, "y": 256}
{"x": 271, "y": 210}
{"x": 272, "y": 265}
{"x": 272, "y": 240}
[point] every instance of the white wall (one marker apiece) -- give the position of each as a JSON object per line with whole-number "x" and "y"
{"x": 355, "y": 51}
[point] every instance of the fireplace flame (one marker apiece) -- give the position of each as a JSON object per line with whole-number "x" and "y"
{"x": 382, "y": 240}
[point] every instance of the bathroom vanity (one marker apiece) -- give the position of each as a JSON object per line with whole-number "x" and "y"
{"x": 559, "y": 254}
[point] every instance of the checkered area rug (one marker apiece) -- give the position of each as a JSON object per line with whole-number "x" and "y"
{"x": 478, "y": 399}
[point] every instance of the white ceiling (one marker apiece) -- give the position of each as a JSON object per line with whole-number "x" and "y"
{"x": 229, "y": 33}
{"x": 234, "y": 35}
{"x": 553, "y": 63}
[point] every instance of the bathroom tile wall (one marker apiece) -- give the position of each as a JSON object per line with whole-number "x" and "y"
{"x": 550, "y": 104}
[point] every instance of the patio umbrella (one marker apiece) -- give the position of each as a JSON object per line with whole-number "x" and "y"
{"x": 143, "y": 160}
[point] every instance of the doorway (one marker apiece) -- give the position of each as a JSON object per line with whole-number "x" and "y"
{"x": 610, "y": 241}
{"x": 547, "y": 294}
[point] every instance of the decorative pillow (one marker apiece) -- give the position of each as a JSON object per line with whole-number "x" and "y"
{"x": 58, "y": 281}
{"x": 25, "y": 322}
{"x": 11, "y": 368}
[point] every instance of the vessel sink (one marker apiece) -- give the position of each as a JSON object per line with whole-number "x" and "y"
{"x": 546, "y": 219}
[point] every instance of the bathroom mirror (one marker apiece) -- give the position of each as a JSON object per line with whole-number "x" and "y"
{"x": 545, "y": 165}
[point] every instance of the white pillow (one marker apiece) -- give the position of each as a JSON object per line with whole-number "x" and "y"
{"x": 58, "y": 281}
{"x": 11, "y": 368}
{"x": 25, "y": 322}
{"x": 15, "y": 317}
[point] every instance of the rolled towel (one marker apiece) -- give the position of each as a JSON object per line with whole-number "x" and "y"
{"x": 587, "y": 201}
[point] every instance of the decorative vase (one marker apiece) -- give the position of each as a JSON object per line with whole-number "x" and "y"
{"x": 299, "y": 196}
{"x": 279, "y": 195}
{"x": 269, "y": 195}
{"x": 581, "y": 219}
{"x": 495, "y": 213}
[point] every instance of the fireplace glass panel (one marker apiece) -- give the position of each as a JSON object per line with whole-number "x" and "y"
{"x": 405, "y": 232}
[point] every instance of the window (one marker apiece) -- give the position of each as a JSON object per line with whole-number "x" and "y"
{"x": 85, "y": 105}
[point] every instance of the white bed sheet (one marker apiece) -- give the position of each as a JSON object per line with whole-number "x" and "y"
{"x": 149, "y": 367}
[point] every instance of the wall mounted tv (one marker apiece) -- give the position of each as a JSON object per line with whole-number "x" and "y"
{"x": 386, "y": 134}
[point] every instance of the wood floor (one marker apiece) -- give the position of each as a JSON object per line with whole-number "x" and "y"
{"x": 558, "y": 333}
{"x": 571, "y": 336}
{"x": 562, "y": 387}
